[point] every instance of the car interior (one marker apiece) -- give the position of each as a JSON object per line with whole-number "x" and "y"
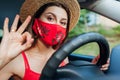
{"x": 80, "y": 66}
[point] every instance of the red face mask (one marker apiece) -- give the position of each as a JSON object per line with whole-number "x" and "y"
{"x": 49, "y": 34}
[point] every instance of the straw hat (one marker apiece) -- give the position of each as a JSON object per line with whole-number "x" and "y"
{"x": 30, "y": 7}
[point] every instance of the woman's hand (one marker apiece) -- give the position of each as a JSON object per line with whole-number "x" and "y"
{"x": 105, "y": 66}
{"x": 14, "y": 41}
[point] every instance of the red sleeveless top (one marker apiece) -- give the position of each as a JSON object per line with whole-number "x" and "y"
{"x": 29, "y": 74}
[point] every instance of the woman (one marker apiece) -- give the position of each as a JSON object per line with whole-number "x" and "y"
{"x": 51, "y": 21}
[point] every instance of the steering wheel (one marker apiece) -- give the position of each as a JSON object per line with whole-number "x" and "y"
{"x": 51, "y": 68}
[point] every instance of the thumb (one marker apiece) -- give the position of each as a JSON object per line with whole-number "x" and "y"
{"x": 28, "y": 40}
{"x": 27, "y": 45}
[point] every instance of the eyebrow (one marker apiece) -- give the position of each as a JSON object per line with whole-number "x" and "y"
{"x": 55, "y": 15}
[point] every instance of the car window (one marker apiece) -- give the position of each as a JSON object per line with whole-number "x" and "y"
{"x": 92, "y": 22}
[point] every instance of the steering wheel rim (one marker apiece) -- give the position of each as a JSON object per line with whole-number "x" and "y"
{"x": 71, "y": 45}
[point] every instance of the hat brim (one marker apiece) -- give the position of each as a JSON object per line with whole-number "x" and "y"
{"x": 30, "y": 7}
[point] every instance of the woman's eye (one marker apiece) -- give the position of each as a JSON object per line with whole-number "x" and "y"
{"x": 50, "y": 19}
{"x": 63, "y": 23}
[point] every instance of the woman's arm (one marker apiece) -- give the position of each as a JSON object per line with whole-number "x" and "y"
{"x": 105, "y": 66}
{"x": 14, "y": 41}
{"x": 5, "y": 73}
{"x": 14, "y": 67}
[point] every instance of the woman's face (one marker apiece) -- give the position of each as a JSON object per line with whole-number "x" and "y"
{"x": 55, "y": 15}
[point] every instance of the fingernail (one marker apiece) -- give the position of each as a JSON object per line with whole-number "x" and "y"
{"x": 29, "y": 16}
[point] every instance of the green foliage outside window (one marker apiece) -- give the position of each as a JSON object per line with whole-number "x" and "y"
{"x": 81, "y": 26}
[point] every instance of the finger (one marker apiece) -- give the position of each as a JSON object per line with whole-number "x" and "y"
{"x": 27, "y": 45}
{"x": 28, "y": 40}
{"x": 15, "y": 23}
{"x": 25, "y": 36}
{"x": 24, "y": 25}
{"x": 106, "y": 65}
{"x": 108, "y": 61}
{"x": 5, "y": 28}
{"x": 103, "y": 69}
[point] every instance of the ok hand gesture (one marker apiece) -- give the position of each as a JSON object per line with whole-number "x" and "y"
{"x": 14, "y": 41}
